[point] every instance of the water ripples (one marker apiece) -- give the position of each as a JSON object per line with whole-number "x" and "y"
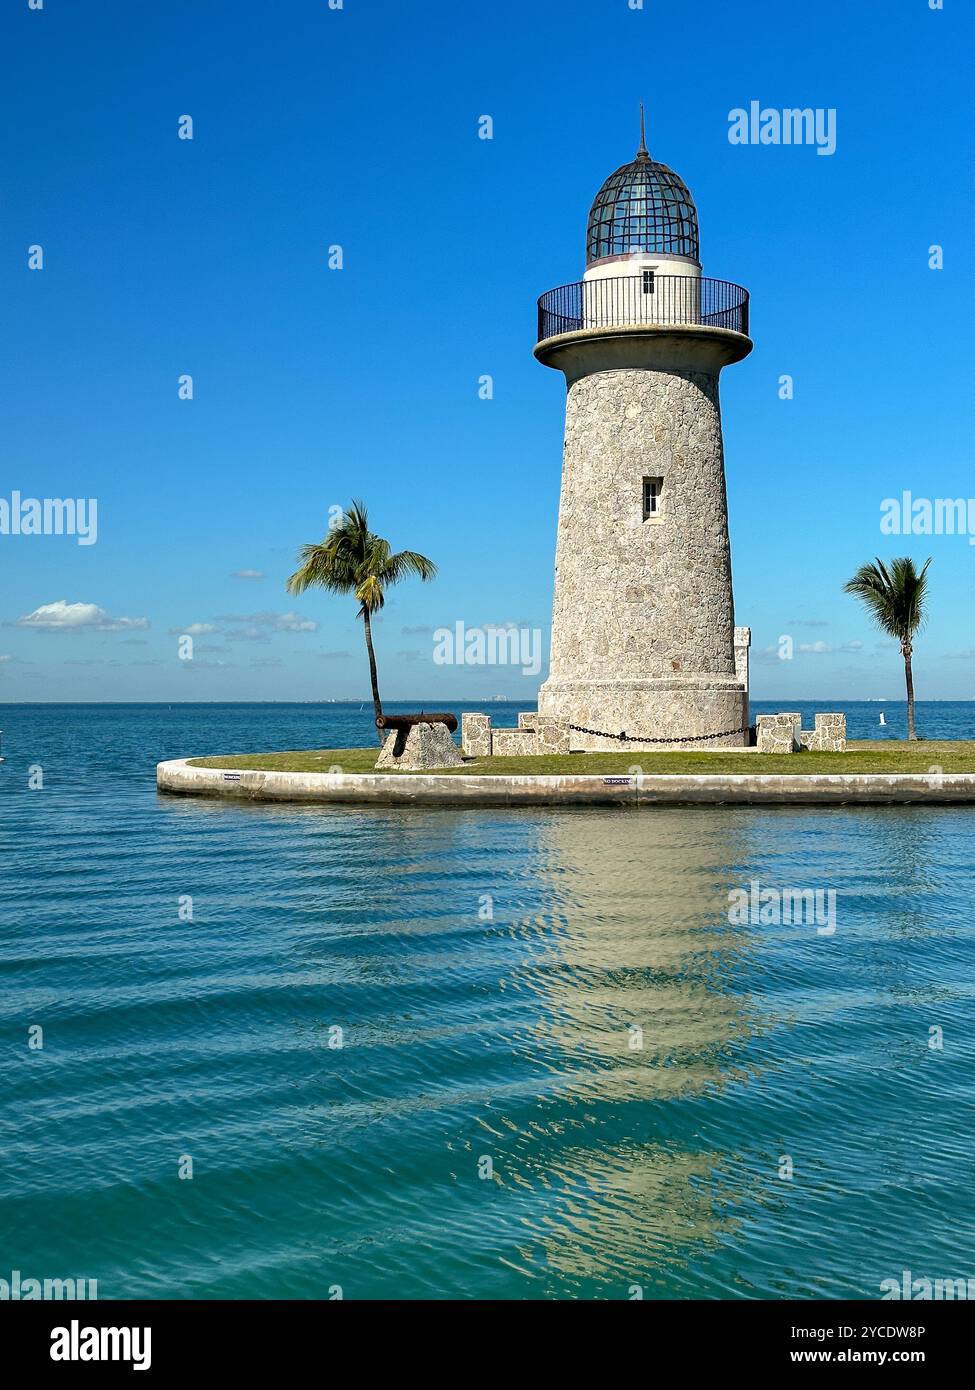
{"x": 564, "y": 1072}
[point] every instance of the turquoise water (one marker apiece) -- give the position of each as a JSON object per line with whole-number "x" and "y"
{"x": 486, "y": 969}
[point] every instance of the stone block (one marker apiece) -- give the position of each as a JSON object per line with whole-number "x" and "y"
{"x": 475, "y": 735}
{"x": 551, "y": 734}
{"x": 513, "y": 743}
{"x": 829, "y": 735}
{"x": 743, "y": 641}
{"x": 425, "y": 747}
{"x": 526, "y": 719}
{"x": 778, "y": 733}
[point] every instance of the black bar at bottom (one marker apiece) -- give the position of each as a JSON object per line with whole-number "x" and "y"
{"x": 256, "y": 1337}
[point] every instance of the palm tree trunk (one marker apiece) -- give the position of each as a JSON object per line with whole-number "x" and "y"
{"x": 377, "y": 704}
{"x": 909, "y": 674}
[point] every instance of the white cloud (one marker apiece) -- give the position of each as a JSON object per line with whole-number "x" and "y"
{"x": 5, "y": 656}
{"x": 773, "y": 655}
{"x": 824, "y": 648}
{"x": 290, "y": 622}
{"x": 62, "y": 616}
{"x": 275, "y": 622}
{"x": 194, "y": 630}
{"x": 247, "y": 574}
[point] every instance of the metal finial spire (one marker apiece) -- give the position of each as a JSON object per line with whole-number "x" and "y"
{"x": 643, "y": 152}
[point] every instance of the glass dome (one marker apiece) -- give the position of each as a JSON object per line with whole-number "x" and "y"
{"x": 644, "y": 206}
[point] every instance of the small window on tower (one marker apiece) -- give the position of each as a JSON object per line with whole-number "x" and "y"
{"x": 652, "y": 499}
{"x": 648, "y": 282}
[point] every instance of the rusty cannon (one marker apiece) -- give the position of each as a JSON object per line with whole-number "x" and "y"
{"x": 416, "y": 742}
{"x": 403, "y": 723}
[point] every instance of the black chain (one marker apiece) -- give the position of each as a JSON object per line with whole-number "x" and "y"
{"x": 637, "y": 738}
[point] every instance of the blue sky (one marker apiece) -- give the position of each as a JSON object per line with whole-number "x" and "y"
{"x": 359, "y": 127}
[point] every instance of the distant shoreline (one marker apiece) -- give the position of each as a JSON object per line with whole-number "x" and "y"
{"x": 430, "y": 701}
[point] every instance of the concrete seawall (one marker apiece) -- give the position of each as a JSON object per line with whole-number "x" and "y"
{"x": 430, "y": 789}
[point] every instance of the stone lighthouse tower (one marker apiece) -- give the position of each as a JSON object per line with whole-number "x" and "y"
{"x": 643, "y": 629}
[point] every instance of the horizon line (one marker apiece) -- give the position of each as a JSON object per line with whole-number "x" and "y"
{"x": 488, "y": 700}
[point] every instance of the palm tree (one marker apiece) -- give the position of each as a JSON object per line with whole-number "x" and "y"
{"x": 894, "y": 598}
{"x": 352, "y": 560}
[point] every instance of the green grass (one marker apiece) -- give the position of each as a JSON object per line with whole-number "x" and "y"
{"x": 920, "y": 757}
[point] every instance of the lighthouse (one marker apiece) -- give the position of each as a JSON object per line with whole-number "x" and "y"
{"x": 643, "y": 624}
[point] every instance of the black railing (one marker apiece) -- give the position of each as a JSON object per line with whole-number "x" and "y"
{"x": 630, "y": 301}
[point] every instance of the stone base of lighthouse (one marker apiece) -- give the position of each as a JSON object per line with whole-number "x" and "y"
{"x": 701, "y": 712}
